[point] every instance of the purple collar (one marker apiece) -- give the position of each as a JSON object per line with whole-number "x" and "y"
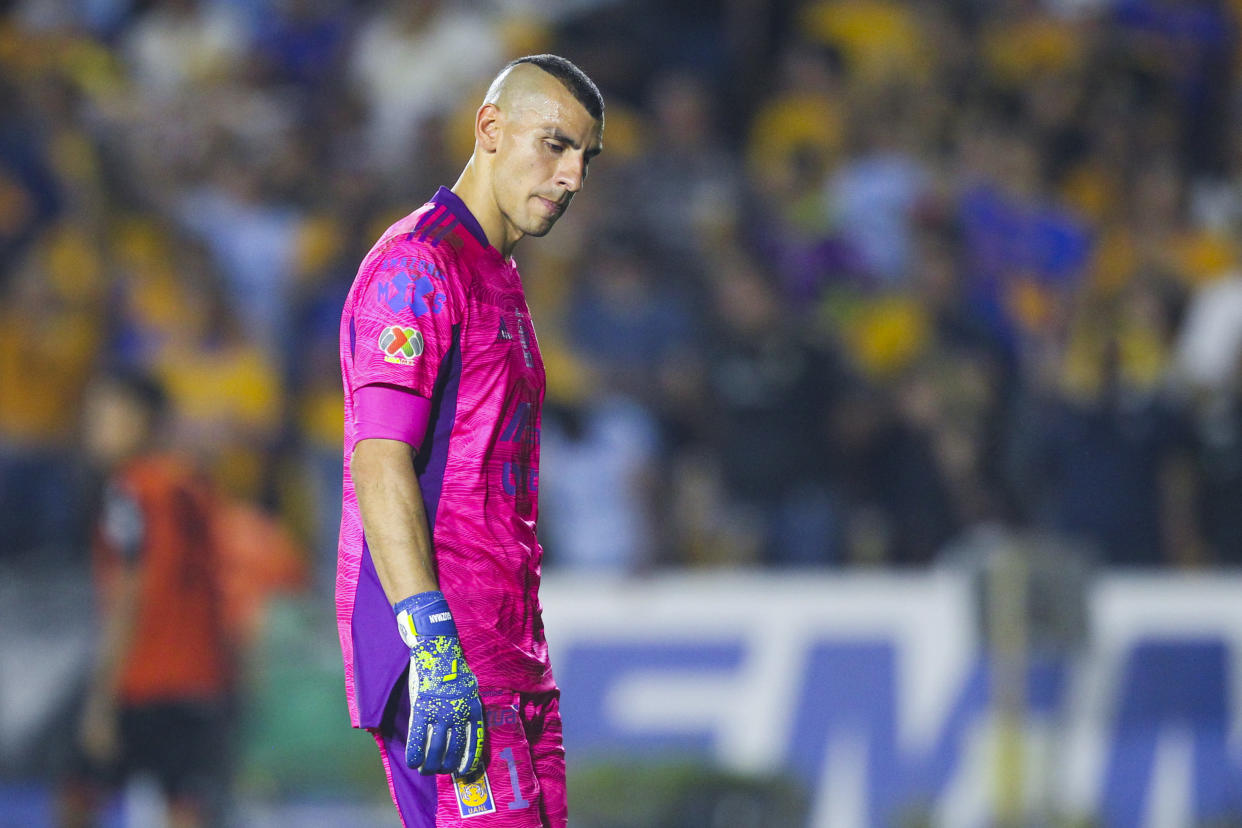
{"x": 447, "y": 198}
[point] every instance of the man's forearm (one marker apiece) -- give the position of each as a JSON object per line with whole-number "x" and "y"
{"x": 117, "y": 638}
{"x": 391, "y": 504}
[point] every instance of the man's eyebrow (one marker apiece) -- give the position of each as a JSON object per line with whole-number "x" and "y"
{"x": 553, "y": 132}
{"x": 561, "y": 136}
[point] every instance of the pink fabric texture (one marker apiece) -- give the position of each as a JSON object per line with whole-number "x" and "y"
{"x": 437, "y": 312}
{"x": 381, "y": 411}
{"x": 439, "y": 317}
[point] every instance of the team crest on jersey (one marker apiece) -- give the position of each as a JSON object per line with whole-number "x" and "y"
{"x": 401, "y": 345}
{"x": 474, "y": 797}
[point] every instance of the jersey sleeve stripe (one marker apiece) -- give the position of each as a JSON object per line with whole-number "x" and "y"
{"x": 433, "y": 215}
{"x": 438, "y": 236}
{"x": 424, "y": 232}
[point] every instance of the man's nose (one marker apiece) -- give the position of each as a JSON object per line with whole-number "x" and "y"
{"x": 571, "y": 173}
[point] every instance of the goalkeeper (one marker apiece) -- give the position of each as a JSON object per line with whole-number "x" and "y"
{"x": 438, "y": 567}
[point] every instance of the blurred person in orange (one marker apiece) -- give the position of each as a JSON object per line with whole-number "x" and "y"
{"x": 157, "y": 696}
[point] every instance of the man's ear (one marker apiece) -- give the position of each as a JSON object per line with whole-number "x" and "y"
{"x": 487, "y": 123}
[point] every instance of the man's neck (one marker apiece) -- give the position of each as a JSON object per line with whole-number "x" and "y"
{"x": 471, "y": 189}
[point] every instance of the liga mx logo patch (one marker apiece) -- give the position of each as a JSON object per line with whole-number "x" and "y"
{"x": 401, "y": 345}
{"x": 474, "y": 797}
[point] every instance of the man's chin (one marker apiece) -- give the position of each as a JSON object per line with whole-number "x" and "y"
{"x": 541, "y": 229}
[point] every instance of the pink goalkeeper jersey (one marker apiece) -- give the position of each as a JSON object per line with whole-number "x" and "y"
{"x": 436, "y": 310}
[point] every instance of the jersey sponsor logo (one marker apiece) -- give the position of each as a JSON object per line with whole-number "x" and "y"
{"x": 520, "y": 428}
{"x": 505, "y": 333}
{"x": 530, "y": 362}
{"x": 501, "y": 717}
{"x": 518, "y": 477}
{"x": 474, "y": 797}
{"x": 409, "y": 285}
{"x": 401, "y": 345}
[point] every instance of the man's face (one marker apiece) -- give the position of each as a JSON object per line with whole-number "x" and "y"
{"x": 547, "y": 141}
{"x": 115, "y": 425}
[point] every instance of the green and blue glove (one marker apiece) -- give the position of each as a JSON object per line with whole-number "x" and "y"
{"x": 446, "y": 714}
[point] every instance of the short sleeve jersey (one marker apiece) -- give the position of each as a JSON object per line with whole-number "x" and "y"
{"x": 439, "y": 312}
{"x": 156, "y": 519}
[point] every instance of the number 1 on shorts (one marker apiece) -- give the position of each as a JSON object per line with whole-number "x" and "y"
{"x": 518, "y": 803}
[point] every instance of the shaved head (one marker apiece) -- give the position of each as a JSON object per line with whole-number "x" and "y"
{"x": 519, "y": 86}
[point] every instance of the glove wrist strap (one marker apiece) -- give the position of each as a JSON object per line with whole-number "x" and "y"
{"x": 424, "y": 614}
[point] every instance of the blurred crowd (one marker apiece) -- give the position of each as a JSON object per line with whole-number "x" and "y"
{"x": 852, "y": 280}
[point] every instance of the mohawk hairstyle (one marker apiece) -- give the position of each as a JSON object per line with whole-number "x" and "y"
{"x": 571, "y": 77}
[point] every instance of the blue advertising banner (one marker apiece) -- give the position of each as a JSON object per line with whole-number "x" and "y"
{"x": 879, "y": 696}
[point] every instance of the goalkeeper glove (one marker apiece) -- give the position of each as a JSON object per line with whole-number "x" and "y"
{"x": 446, "y": 714}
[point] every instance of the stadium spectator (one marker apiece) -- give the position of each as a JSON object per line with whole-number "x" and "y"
{"x": 29, "y": 195}
{"x": 178, "y": 45}
{"x": 1218, "y": 433}
{"x": 1108, "y": 452}
{"x": 597, "y": 514}
{"x": 394, "y": 65}
{"x": 766, "y": 393}
{"x": 690, "y": 184}
{"x": 50, "y": 330}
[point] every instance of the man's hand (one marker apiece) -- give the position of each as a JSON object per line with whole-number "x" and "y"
{"x": 446, "y": 714}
